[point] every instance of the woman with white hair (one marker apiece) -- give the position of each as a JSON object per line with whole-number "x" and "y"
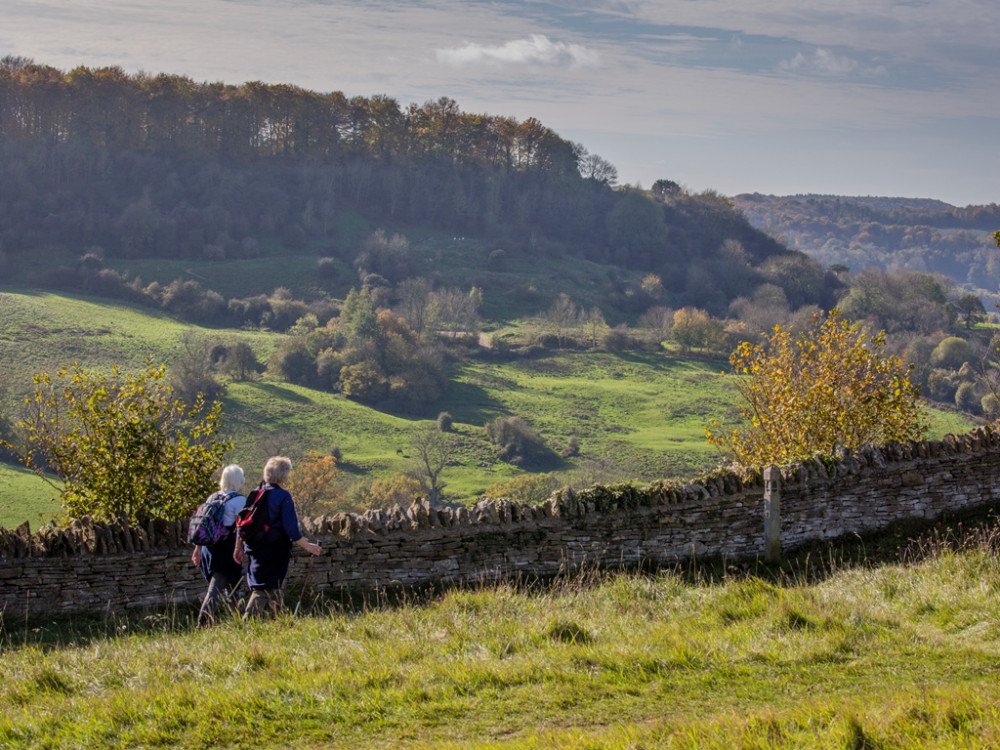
{"x": 216, "y": 559}
{"x": 269, "y": 556}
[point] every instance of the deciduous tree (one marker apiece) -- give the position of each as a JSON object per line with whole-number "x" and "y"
{"x": 693, "y": 328}
{"x": 970, "y": 309}
{"x": 122, "y": 444}
{"x": 313, "y": 483}
{"x": 829, "y": 387}
{"x": 434, "y": 450}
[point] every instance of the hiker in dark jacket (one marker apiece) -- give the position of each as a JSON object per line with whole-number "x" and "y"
{"x": 268, "y": 558}
{"x": 216, "y": 560}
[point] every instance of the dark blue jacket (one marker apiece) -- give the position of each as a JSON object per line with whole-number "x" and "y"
{"x": 268, "y": 559}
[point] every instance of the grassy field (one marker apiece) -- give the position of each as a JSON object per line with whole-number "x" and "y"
{"x": 833, "y": 651}
{"x": 25, "y": 497}
{"x": 635, "y": 416}
{"x": 42, "y": 330}
{"x": 510, "y": 288}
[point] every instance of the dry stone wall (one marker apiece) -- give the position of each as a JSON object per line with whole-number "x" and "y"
{"x": 89, "y": 566}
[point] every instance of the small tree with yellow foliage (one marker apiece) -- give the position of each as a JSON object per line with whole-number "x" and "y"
{"x": 123, "y": 445}
{"x": 312, "y": 484}
{"x": 829, "y": 387}
{"x": 399, "y": 489}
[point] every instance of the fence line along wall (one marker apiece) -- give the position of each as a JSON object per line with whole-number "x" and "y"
{"x": 101, "y": 567}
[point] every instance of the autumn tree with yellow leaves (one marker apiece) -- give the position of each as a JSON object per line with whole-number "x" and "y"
{"x": 827, "y": 388}
{"x": 313, "y": 484}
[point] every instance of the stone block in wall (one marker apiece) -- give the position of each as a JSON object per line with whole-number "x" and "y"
{"x": 128, "y": 543}
{"x": 485, "y": 511}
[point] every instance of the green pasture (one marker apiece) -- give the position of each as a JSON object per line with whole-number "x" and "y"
{"x": 25, "y": 497}
{"x": 44, "y": 331}
{"x": 507, "y": 294}
{"x": 249, "y": 277}
{"x": 634, "y": 416}
{"x": 836, "y": 650}
{"x": 644, "y": 412}
{"x": 447, "y": 260}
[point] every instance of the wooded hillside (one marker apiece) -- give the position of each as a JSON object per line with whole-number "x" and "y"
{"x": 158, "y": 166}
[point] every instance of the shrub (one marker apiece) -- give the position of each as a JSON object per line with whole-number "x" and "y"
{"x": 951, "y": 353}
{"x": 239, "y": 362}
{"x": 618, "y": 339}
{"x": 294, "y": 363}
{"x": 445, "y": 422}
{"x": 967, "y": 399}
{"x": 990, "y": 405}
{"x": 517, "y": 442}
{"x": 572, "y": 447}
{"x": 399, "y": 489}
{"x": 364, "y": 381}
{"x": 526, "y": 489}
{"x": 312, "y": 484}
{"x": 941, "y": 385}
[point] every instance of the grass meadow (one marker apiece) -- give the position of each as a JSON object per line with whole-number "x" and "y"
{"x": 634, "y": 416}
{"x": 25, "y": 497}
{"x": 847, "y": 647}
{"x": 836, "y": 649}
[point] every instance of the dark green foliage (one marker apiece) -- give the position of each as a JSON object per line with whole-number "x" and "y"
{"x": 967, "y": 398}
{"x": 618, "y": 339}
{"x": 970, "y": 310}
{"x": 517, "y": 443}
{"x": 239, "y": 361}
{"x": 951, "y": 353}
{"x": 357, "y": 317}
{"x": 294, "y": 362}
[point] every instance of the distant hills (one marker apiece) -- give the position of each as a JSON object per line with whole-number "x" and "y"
{"x": 887, "y": 233}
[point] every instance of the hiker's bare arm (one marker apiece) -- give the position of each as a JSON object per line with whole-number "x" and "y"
{"x": 310, "y": 547}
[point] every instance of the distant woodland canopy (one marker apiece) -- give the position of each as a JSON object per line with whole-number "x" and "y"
{"x": 887, "y": 233}
{"x": 159, "y": 166}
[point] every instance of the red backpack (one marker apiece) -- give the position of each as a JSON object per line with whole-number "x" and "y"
{"x": 252, "y": 523}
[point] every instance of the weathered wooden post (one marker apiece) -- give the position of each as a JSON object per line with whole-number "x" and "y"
{"x": 772, "y": 514}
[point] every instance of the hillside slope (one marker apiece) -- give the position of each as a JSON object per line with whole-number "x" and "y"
{"x": 887, "y": 233}
{"x": 631, "y": 415}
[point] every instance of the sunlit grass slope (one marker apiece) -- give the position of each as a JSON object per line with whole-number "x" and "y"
{"x": 877, "y": 656}
{"x": 25, "y": 497}
{"x": 639, "y": 416}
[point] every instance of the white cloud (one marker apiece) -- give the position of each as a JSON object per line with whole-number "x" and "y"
{"x": 825, "y": 62}
{"x": 536, "y": 49}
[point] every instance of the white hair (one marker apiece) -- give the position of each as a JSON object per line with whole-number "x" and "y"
{"x": 232, "y": 478}
{"x": 277, "y": 469}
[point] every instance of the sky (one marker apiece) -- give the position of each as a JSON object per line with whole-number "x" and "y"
{"x": 848, "y": 97}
